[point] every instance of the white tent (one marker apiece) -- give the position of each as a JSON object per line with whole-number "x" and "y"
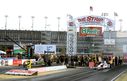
{"x": 2, "y": 52}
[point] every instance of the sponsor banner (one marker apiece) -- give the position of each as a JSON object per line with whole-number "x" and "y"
{"x": 90, "y": 31}
{"x": 3, "y": 62}
{"x": 95, "y": 20}
{"x": 21, "y": 72}
{"x": 14, "y": 61}
{"x": 90, "y": 20}
{"x": 44, "y": 49}
{"x": 109, "y": 41}
{"x": 17, "y": 62}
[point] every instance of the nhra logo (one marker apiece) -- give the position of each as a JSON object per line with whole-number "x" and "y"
{"x": 109, "y": 23}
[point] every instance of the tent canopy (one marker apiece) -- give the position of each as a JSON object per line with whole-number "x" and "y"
{"x": 19, "y": 51}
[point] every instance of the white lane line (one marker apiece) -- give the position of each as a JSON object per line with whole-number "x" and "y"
{"x": 117, "y": 76}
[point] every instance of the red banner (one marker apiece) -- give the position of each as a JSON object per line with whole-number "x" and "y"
{"x": 17, "y": 62}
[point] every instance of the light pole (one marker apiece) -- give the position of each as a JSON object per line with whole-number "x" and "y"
{"x": 19, "y": 28}
{"x": 32, "y": 17}
{"x": 6, "y": 16}
{"x": 45, "y": 22}
{"x": 58, "y": 23}
{"x": 19, "y": 21}
{"x": 58, "y": 31}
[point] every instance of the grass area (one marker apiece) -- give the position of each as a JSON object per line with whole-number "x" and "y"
{"x": 122, "y": 77}
{"x": 3, "y": 76}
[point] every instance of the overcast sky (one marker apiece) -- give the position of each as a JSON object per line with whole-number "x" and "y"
{"x": 56, "y": 8}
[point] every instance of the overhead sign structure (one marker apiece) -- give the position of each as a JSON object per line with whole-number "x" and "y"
{"x": 95, "y": 20}
{"x": 90, "y": 31}
{"x": 71, "y": 37}
{"x": 91, "y": 20}
{"x": 84, "y": 22}
{"x": 45, "y": 49}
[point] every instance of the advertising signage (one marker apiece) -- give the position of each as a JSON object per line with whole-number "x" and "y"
{"x": 89, "y": 19}
{"x": 90, "y": 31}
{"x": 44, "y": 49}
{"x": 95, "y": 20}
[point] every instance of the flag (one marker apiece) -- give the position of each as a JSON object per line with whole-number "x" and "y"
{"x": 115, "y": 14}
{"x": 69, "y": 16}
{"x": 91, "y": 8}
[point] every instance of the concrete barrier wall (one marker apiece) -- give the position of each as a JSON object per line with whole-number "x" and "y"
{"x": 51, "y": 68}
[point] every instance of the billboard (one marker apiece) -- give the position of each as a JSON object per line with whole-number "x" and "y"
{"x": 44, "y": 49}
{"x": 90, "y": 31}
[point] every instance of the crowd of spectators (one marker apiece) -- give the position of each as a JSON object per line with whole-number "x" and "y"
{"x": 77, "y": 60}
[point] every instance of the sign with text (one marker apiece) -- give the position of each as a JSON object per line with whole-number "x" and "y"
{"x": 95, "y": 20}
{"x": 17, "y": 62}
{"x": 44, "y": 49}
{"x": 90, "y": 31}
{"x": 71, "y": 36}
{"x": 90, "y": 20}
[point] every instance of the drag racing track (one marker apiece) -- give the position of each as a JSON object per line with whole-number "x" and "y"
{"x": 93, "y": 75}
{"x": 80, "y": 74}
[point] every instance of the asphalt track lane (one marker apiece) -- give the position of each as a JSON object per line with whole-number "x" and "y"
{"x": 101, "y": 75}
{"x": 79, "y": 74}
{"x": 107, "y": 75}
{"x": 74, "y": 77}
{"x": 52, "y": 77}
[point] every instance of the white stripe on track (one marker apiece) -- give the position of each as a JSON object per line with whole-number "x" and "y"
{"x": 117, "y": 76}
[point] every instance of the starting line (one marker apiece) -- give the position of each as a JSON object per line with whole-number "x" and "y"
{"x": 34, "y": 71}
{"x": 51, "y": 68}
{"x": 21, "y": 72}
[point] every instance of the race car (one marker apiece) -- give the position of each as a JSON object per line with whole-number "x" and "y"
{"x": 103, "y": 65}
